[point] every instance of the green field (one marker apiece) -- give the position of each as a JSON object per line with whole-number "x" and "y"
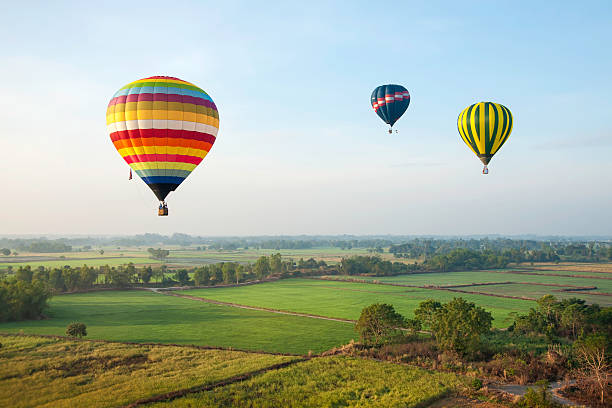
{"x": 537, "y": 291}
{"x": 141, "y": 316}
{"x": 330, "y": 382}
{"x": 347, "y": 299}
{"x": 38, "y": 371}
{"x": 468, "y": 277}
{"x": 179, "y": 256}
{"x": 51, "y": 372}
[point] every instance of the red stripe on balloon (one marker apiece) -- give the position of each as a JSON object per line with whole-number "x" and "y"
{"x": 177, "y": 158}
{"x": 169, "y": 133}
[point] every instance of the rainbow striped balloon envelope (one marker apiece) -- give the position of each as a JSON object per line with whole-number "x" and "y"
{"x": 163, "y": 127}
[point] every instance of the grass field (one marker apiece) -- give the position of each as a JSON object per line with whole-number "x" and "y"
{"x": 141, "y": 316}
{"x": 533, "y": 291}
{"x": 179, "y": 256}
{"x": 346, "y": 299}
{"x": 537, "y": 291}
{"x": 38, "y": 371}
{"x": 330, "y": 382}
{"x": 573, "y": 267}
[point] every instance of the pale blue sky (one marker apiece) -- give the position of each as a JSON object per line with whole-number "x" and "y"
{"x": 299, "y": 149}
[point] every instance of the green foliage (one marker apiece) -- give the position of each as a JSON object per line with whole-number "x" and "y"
{"x": 537, "y": 398}
{"x": 566, "y": 318}
{"x": 426, "y": 312}
{"x": 378, "y": 324}
{"x": 458, "y": 325}
{"x": 159, "y": 254}
{"x": 476, "y": 384}
{"x": 20, "y": 300}
{"x": 182, "y": 277}
{"x": 357, "y": 265}
{"x": 262, "y": 267}
{"x": 5, "y": 251}
{"x": 76, "y": 329}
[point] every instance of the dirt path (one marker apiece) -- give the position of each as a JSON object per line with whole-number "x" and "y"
{"x": 520, "y": 390}
{"x": 261, "y": 309}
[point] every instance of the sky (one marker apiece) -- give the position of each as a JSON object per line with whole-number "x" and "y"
{"x": 300, "y": 150}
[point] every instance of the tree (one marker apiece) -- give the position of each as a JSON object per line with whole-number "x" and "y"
{"x": 275, "y": 263}
{"x": 5, "y": 251}
{"x": 146, "y": 274}
{"x": 378, "y": 324}
{"x": 426, "y": 312}
{"x": 201, "y": 276}
{"x": 262, "y": 267}
{"x": 228, "y": 272}
{"x": 459, "y": 324}
{"x": 76, "y": 329}
{"x": 239, "y": 273}
{"x": 182, "y": 276}
{"x": 101, "y": 252}
{"x": 594, "y": 362}
{"x": 24, "y": 274}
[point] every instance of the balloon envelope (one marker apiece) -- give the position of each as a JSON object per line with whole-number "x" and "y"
{"x": 485, "y": 127}
{"x": 163, "y": 127}
{"x": 390, "y": 102}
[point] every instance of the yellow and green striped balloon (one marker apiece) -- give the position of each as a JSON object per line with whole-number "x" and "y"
{"x": 485, "y": 127}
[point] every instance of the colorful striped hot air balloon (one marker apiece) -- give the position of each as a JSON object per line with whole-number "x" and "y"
{"x": 163, "y": 127}
{"x": 390, "y": 102}
{"x": 485, "y": 127}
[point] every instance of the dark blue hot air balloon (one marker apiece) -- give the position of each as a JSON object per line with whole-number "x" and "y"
{"x": 390, "y": 102}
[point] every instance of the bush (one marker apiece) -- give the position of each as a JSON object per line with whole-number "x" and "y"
{"x": 379, "y": 324}
{"x": 537, "y": 398}
{"x": 76, "y": 329}
{"x": 476, "y": 384}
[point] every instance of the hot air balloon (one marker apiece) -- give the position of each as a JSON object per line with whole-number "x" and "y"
{"x": 390, "y": 102}
{"x": 485, "y": 127}
{"x": 163, "y": 127}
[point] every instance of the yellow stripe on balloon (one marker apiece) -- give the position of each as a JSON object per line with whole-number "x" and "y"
{"x": 164, "y": 165}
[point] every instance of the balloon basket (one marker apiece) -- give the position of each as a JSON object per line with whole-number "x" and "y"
{"x": 485, "y": 170}
{"x": 163, "y": 210}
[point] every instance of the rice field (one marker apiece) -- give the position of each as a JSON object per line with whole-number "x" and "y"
{"x": 48, "y": 372}
{"x": 330, "y": 382}
{"x": 141, "y": 316}
{"x": 346, "y": 299}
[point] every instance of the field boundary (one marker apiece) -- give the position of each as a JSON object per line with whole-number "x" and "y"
{"x": 169, "y": 396}
{"x": 257, "y": 308}
{"x": 132, "y": 343}
{"x": 401, "y": 285}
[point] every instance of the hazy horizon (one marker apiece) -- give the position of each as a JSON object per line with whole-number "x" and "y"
{"x": 299, "y": 149}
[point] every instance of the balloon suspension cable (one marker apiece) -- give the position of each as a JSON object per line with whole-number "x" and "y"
{"x": 485, "y": 170}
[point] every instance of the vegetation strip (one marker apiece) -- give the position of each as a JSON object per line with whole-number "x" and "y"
{"x": 169, "y": 396}
{"x": 261, "y": 309}
{"x": 133, "y": 343}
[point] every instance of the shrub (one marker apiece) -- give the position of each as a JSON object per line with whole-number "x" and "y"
{"x": 76, "y": 329}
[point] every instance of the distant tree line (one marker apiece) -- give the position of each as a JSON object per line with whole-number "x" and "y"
{"x": 71, "y": 279}
{"x": 457, "y": 259}
{"x": 511, "y": 250}
{"x": 39, "y": 246}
